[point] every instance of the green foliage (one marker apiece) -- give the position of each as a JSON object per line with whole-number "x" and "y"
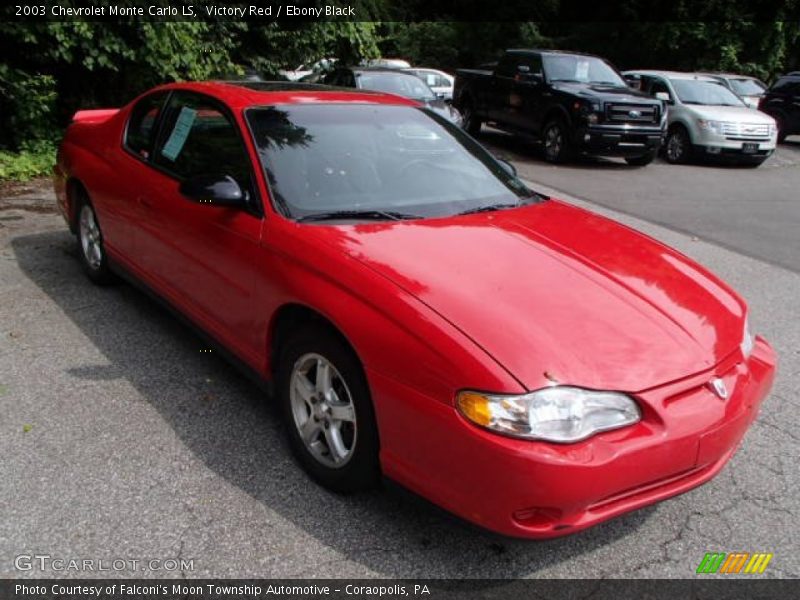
{"x": 33, "y": 160}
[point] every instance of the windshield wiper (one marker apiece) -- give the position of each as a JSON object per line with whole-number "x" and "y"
{"x": 488, "y": 208}
{"x": 366, "y": 215}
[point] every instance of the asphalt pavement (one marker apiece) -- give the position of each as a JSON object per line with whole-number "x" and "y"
{"x": 120, "y": 439}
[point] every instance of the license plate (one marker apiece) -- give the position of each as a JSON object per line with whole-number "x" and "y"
{"x": 749, "y": 148}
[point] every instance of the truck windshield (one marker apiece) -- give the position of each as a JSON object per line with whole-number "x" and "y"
{"x": 580, "y": 69}
{"x": 699, "y": 91}
{"x": 376, "y": 161}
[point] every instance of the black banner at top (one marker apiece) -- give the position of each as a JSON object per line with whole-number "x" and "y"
{"x": 292, "y": 11}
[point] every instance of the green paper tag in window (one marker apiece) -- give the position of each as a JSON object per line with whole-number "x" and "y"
{"x": 183, "y": 125}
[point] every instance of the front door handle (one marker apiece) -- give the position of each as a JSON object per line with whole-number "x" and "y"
{"x": 144, "y": 202}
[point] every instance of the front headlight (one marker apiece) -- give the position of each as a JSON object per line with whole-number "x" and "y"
{"x": 747, "y": 340}
{"x": 556, "y": 414}
{"x": 712, "y": 126}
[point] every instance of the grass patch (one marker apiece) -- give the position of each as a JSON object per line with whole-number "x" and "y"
{"x": 33, "y": 160}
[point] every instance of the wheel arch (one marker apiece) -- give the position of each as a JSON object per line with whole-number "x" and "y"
{"x": 291, "y": 316}
{"x": 76, "y": 191}
{"x": 556, "y": 112}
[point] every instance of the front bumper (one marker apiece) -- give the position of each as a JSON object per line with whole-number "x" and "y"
{"x": 541, "y": 490}
{"x": 712, "y": 144}
{"x": 618, "y": 140}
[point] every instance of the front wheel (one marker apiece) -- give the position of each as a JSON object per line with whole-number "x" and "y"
{"x": 328, "y": 410}
{"x": 678, "y": 148}
{"x": 641, "y": 161}
{"x": 90, "y": 245}
{"x": 556, "y": 142}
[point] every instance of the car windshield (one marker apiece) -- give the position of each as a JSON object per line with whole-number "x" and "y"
{"x": 395, "y": 161}
{"x": 580, "y": 69}
{"x": 699, "y": 91}
{"x": 402, "y": 84}
{"x": 747, "y": 87}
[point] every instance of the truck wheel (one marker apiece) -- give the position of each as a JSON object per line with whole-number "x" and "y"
{"x": 470, "y": 122}
{"x": 678, "y": 147}
{"x": 328, "y": 411}
{"x": 555, "y": 138}
{"x": 780, "y": 123}
{"x": 640, "y": 161}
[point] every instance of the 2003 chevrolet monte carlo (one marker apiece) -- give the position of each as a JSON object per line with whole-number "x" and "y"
{"x": 421, "y": 313}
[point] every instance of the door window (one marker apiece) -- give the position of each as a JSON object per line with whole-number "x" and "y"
{"x": 199, "y": 138}
{"x": 141, "y": 130}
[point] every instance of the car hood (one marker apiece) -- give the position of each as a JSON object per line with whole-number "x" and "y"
{"x": 606, "y": 93}
{"x": 737, "y": 114}
{"x": 553, "y": 289}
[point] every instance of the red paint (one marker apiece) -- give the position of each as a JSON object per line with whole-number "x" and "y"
{"x": 486, "y": 301}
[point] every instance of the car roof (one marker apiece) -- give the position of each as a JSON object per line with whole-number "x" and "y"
{"x": 242, "y": 94}
{"x": 727, "y": 75}
{"x": 547, "y": 51}
{"x": 671, "y": 74}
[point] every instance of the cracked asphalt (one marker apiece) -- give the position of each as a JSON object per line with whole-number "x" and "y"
{"x": 120, "y": 439}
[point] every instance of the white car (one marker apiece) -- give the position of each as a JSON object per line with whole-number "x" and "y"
{"x": 387, "y": 63}
{"x": 322, "y": 65}
{"x": 440, "y": 82}
{"x": 706, "y": 119}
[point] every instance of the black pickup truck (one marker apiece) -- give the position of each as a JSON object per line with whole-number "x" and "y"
{"x": 571, "y": 102}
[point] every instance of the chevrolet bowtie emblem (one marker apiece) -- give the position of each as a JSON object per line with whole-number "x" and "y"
{"x": 718, "y": 387}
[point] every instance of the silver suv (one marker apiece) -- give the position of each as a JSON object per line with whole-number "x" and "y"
{"x": 705, "y": 118}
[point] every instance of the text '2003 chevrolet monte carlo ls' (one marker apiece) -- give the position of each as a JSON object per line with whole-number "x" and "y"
{"x": 420, "y": 312}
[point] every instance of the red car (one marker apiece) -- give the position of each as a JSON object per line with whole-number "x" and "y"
{"x": 421, "y": 313}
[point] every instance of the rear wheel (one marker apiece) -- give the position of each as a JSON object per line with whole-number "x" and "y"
{"x": 90, "y": 244}
{"x": 327, "y": 408}
{"x": 678, "y": 147}
{"x": 640, "y": 161}
{"x": 556, "y": 142}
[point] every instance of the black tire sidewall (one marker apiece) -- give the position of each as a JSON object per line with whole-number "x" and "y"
{"x": 362, "y": 471}
{"x": 472, "y": 125}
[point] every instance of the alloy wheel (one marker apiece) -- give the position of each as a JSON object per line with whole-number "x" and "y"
{"x": 323, "y": 410}
{"x": 91, "y": 242}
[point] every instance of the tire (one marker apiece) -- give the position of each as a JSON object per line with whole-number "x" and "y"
{"x": 678, "y": 147}
{"x": 91, "y": 250}
{"x": 780, "y": 123}
{"x": 470, "y": 122}
{"x": 641, "y": 161}
{"x": 555, "y": 142}
{"x": 339, "y": 453}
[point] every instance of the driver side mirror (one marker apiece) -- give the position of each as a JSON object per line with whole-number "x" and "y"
{"x": 524, "y": 75}
{"x": 218, "y": 190}
{"x": 664, "y": 96}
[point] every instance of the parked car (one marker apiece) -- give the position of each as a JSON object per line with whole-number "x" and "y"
{"x": 387, "y": 63}
{"x": 749, "y": 89}
{"x": 365, "y": 258}
{"x": 707, "y": 119}
{"x": 572, "y": 102}
{"x": 440, "y": 82}
{"x": 782, "y": 103}
{"x": 392, "y": 81}
{"x": 305, "y": 70}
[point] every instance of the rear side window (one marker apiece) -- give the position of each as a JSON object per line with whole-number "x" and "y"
{"x": 141, "y": 131}
{"x": 199, "y": 138}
